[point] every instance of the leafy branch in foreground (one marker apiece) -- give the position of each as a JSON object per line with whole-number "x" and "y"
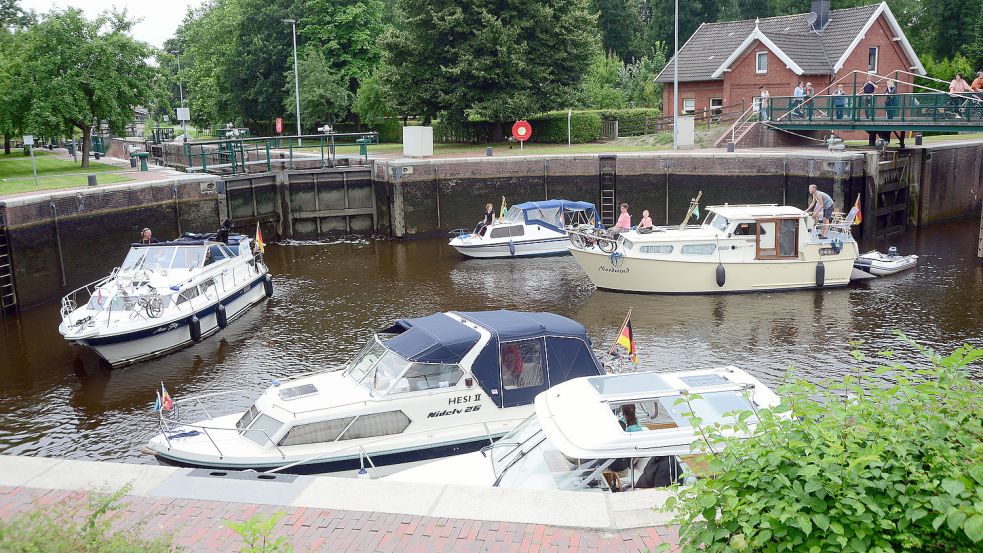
{"x": 890, "y": 458}
{"x": 257, "y": 534}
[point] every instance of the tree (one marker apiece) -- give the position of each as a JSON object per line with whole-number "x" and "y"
{"x": 885, "y": 459}
{"x": 324, "y": 95}
{"x": 753, "y": 9}
{"x": 620, "y": 23}
{"x": 492, "y": 61}
{"x": 71, "y": 72}
{"x": 12, "y": 20}
{"x": 373, "y": 103}
{"x": 346, "y": 32}
{"x": 602, "y": 84}
{"x": 660, "y": 15}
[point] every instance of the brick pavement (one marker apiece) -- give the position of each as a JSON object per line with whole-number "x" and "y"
{"x": 199, "y": 526}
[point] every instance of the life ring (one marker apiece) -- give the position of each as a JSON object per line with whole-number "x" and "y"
{"x": 194, "y": 327}
{"x": 220, "y": 316}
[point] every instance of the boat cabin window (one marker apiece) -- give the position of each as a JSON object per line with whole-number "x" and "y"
{"x": 522, "y": 364}
{"x": 514, "y": 215}
{"x": 505, "y": 232}
{"x": 217, "y": 253}
{"x": 359, "y": 366}
{"x": 717, "y": 221}
{"x": 188, "y": 257}
{"x": 262, "y": 429}
{"x": 316, "y": 432}
{"x": 656, "y": 249}
{"x": 697, "y": 249}
{"x": 778, "y": 238}
{"x": 746, "y": 229}
{"x": 428, "y": 376}
{"x": 187, "y": 294}
{"x": 383, "y": 375}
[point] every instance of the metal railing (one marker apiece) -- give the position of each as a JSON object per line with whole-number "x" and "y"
{"x": 920, "y": 107}
{"x": 238, "y": 154}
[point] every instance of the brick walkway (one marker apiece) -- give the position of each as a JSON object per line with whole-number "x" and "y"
{"x": 198, "y": 526}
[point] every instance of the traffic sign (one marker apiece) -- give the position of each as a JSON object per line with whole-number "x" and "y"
{"x": 522, "y": 130}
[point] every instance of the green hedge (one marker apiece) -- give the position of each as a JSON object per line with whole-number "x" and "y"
{"x": 469, "y": 132}
{"x": 551, "y": 127}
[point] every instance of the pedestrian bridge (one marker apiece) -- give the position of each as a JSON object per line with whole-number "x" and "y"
{"x": 877, "y": 113}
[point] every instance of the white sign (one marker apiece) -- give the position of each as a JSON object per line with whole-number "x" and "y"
{"x": 28, "y": 139}
{"x": 184, "y": 114}
{"x": 167, "y": 118}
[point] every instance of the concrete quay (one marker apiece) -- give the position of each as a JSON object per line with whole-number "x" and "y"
{"x": 324, "y": 513}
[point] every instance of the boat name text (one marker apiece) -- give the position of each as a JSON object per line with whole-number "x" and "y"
{"x": 464, "y": 399}
{"x": 612, "y": 269}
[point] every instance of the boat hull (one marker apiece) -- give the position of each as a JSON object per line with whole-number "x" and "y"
{"x": 130, "y": 347}
{"x": 657, "y": 276}
{"x": 519, "y": 248}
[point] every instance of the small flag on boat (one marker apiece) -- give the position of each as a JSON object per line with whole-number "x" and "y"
{"x": 856, "y": 206}
{"x": 157, "y": 403}
{"x": 696, "y": 211}
{"x": 626, "y": 339}
{"x": 501, "y": 213}
{"x": 259, "y": 239}
{"x": 165, "y": 399}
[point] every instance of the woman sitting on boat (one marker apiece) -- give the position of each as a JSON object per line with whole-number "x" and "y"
{"x": 624, "y": 221}
{"x": 488, "y": 220}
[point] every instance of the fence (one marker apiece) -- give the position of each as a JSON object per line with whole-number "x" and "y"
{"x": 237, "y": 155}
{"x": 934, "y": 107}
{"x": 614, "y": 128}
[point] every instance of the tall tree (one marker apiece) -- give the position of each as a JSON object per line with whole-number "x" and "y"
{"x": 753, "y": 9}
{"x": 952, "y": 25}
{"x": 346, "y": 32}
{"x": 13, "y": 19}
{"x": 324, "y": 94}
{"x": 73, "y": 72}
{"x": 660, "y": 18}
{"x": 620, "y": 23}
{"x": 494, "y": 61}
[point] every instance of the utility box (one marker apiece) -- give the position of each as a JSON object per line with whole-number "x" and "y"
{"x": 687, "y": 131}
{"x": 417, "y": 141}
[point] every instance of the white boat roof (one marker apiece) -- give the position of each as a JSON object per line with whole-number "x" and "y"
{"x": 578, "y": 416}
{"x": 756, "y": 211}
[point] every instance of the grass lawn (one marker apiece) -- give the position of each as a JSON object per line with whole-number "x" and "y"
{"x": 16, "y": 174}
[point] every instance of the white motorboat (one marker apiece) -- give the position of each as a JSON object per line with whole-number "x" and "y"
{"x": 165, "y": 296}
{"x": 527, "y": 229}
{"x": 426, "y": 387}
{"x": 575, "y": 441}
{"x": 744, "y": 248}
{"x": 884, "y": 264}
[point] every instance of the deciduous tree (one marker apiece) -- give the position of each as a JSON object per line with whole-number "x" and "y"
{"x": 324, "y": 95}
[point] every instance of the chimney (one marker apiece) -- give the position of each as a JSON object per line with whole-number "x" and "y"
{"x": 821, "y": 9}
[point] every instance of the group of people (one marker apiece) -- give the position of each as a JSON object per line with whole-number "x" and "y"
{"x": 658, "y": 472}
{"x": 624, "y": 221}
{"x": 803, "y": 105}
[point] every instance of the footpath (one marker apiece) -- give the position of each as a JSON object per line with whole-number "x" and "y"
{"x": 322, "y": 513}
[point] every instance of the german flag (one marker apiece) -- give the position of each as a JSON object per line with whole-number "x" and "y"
{"x": 856, "y": 206}
{"x": 626, "y": 339}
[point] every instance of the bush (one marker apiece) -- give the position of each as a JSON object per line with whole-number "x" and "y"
{"x": 390, "y": 130}
{"x": 466, "y": 132}
{"x": 551, "y": 127}
{"x": 884, "y": 460}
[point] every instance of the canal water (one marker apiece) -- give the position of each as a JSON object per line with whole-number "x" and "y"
{"x": 330, "y": 297}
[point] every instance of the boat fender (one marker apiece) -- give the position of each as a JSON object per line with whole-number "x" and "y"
{"x": 721, "y": 275}
{"x": 194, "y": 326}
{"x": 511, "y": 247}
{"x": 820, "y": 274}
{"x": 220, "y": 317}
{"x": 268, "y": 285}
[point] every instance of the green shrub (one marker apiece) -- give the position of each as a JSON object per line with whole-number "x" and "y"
{"x": 60, "y": 529}
{"x": 390, "y": 130}
{"x": 257, "y": 533}
{"x": 467, "y": 132}
{"x": 889, "y": 459}
{"x": 551, "y": 127}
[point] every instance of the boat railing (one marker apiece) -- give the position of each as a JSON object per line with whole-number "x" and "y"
{"x": 208, "y": 430}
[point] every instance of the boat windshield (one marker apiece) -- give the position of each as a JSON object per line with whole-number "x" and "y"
{"x": 163, "y": 257}
{"x": 376, "y": 367}
{"x": 359, "y": 366}
{"x": 514, "y": 215}
{"x": 716, "y": 221}
{"x": 522, "y": 437}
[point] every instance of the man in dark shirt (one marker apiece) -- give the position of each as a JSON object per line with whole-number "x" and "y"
{"x": 147, "y": 237}
{"x": 868, "y": 90}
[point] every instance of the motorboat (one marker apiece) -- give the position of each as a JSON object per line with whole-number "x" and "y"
{"x": 423, "y": 388}
{"x": 166, "y": 296}
{"x": 527, "y": 229}
{"x": 745, "y": 248}
{"x": 576, "y": 440}
{"x": 884, "y": 264}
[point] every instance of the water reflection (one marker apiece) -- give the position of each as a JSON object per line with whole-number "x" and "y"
{"x": 330, "y": 297}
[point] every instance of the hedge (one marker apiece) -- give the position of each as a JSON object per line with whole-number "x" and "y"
{"x": 551, "y": 127}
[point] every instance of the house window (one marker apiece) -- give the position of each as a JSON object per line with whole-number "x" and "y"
{"x": 716, "y": 106}
{"x": 689, "y": 105}
{"x": 761, "y": 62}
{"x": 872, "y": 59}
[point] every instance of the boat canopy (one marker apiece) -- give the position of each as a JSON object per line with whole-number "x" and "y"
{"x": 529, "y": 352}
{"x": 555, "y": 214}
{"x": 433, "y": 339}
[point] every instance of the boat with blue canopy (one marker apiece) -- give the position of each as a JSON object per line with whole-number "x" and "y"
{"x": 527, "y": 229}
{"x": 422, "y": 388}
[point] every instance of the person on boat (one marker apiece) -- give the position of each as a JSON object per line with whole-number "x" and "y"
{"x": 646, "y": 222}
{"x": 487, "y": 221}
{"x": 147, "y": 237}
{"x": 824, "y": 208}
{"x": 630, "y": 419}
{"x": 624, "y": 221}
{"x": 660, "y": 472}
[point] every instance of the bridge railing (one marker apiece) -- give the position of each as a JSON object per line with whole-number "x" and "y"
{"x": 933, "y": 107}
{"x": 235, "y": 155}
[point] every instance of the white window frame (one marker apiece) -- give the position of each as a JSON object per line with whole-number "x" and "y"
{"x": 757, "y": 62}
{"x": 692, "y": 106}
{"x": 716, "y": 109}
{"x": 877, "y": 58}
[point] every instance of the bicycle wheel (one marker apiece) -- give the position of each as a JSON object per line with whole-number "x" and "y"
{"x": 577, "y": 240}
{"x": 607, "y": 245}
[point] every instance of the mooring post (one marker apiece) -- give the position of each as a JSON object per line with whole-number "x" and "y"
{"x": 979, "y": 248}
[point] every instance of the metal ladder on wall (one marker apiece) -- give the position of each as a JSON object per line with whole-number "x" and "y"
{"x": 8, "y": 297}
{"x": 607, "y": 177}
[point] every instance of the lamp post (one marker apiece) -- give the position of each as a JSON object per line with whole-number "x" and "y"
{"x": 293, "y": 26}
{"x": 675, "y": 85}
{"x": 180, "y": 88}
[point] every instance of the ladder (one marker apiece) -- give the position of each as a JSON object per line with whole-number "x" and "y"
{"x": 607, "y": 178}
{"x": 8, "y": 296}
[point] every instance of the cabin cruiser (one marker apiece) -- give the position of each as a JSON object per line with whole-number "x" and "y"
{"x": 744, "y": 248}
{"x": 885, "y": 264}
{"x": 527, "y": 229}
{"x": 576, "y": 442}
{"x": 426, "y": 387}
{"x": 166, "y": 296}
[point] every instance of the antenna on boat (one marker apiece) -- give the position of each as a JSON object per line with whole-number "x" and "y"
{"x": 694, "y": 204}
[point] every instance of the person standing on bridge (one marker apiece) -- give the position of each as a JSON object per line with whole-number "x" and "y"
{"x": 891, "y": 101}
{"x": 839, "y": 101}
{"x": 870, "y": 87}
{"x": 810, "y": 94}
{"x": 957, "y": 87}
{"x": 977, "y": 85}
{"x": 763, "y": 103}
{"x": 797, "y": 96}
{"x": 824, "y": 208}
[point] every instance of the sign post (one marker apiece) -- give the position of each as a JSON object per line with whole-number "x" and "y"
{"x": 521, "y": 131}
{"x": 29, "y": 141}
{"x": 184, "y": 115}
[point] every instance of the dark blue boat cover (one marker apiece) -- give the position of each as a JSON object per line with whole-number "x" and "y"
{"x": 550, "y": 213}
{"x": 433, "y": 339}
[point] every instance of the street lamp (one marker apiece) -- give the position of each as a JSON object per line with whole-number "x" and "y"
{"x": 180, "y": 87}
{"x": 675, "y": 85}
{"x": 293, "y": 26}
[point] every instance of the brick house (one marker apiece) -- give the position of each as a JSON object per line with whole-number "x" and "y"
{"x": 724, "y": 64}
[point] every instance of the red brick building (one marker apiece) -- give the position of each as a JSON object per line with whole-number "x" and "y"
{"x": 726, "y": 63}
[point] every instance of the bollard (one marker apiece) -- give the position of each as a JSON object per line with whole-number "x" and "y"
{"x": 133, "y": 162}
{"x": 92, "y": 180}
{"x": 730, "y": 146}
{"x": 97, "y": 156}
{"x": 488, "y": 151}
{"x": 918, "y": 140}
